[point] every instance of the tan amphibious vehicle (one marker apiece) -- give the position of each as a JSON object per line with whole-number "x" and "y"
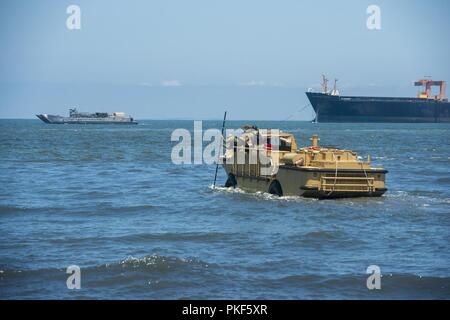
{"x": 270, "y": 161}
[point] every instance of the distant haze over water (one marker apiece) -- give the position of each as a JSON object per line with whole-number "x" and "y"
{"x": 255, "y": 102}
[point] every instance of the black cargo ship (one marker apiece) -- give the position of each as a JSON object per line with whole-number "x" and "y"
{"x": 329, "y": 106}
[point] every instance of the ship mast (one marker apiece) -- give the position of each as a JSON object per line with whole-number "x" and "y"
{"x": 335, "y": 91}
{"x": 324, "y": 84}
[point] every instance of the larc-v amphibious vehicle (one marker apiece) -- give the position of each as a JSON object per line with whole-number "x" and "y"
{"x": 269, "y": 161}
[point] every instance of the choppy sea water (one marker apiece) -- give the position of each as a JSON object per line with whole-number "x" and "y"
{"x": 109, "y": 199}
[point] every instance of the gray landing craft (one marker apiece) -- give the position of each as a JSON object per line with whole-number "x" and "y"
{"x": 77, "y": 117}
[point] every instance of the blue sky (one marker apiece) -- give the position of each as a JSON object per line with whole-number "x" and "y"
{"x": 192, "y": 59}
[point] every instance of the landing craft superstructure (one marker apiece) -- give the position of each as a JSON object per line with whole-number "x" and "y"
{"x": 252, "y": 162}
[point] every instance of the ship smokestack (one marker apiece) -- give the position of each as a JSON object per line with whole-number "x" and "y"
{"x": 314, "y": 140}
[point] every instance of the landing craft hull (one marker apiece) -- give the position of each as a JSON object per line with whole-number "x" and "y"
{"x": 50, "y": 119}
{"x": 331, "y": 108}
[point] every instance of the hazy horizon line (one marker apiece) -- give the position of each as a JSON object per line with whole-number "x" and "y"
{"x": 180, "y": 119}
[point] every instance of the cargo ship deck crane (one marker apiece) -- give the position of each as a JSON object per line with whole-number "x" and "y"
{"x": 427, "y": 84}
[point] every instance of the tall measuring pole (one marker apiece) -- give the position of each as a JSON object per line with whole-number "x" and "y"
{"x": 220, "y": 149}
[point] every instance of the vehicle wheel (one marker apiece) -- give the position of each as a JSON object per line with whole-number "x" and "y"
{"x": 275, "y": 188}
{"x": 231, "y": 181}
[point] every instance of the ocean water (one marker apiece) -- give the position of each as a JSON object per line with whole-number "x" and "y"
{"x": 109, "y": 199}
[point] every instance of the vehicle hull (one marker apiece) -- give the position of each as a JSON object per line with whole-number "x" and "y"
{"x": 311, "y": 182}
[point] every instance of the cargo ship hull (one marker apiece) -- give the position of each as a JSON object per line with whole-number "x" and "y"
{"x": 334, "y": 108}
